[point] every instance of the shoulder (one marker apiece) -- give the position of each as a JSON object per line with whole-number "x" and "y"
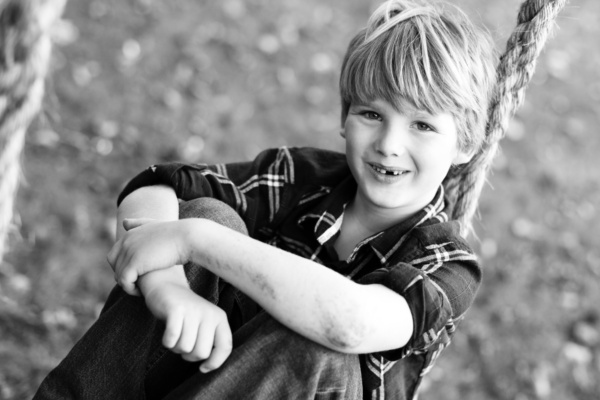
{"x": 438, "y": 243}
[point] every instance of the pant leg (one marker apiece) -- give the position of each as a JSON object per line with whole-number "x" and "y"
{"x": 121, "y": 355}
{"x": 269, "y": 361}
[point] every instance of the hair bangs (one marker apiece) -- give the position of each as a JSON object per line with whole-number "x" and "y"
{"x": 403, "y": 63}
{"x": 430, "y": 56}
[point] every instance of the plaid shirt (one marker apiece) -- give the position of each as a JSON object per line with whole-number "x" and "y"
{"x": 294, "y": 199}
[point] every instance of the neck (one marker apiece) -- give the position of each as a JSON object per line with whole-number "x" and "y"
{"x": 372, "y": 219}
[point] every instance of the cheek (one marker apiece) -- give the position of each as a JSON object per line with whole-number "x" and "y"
{"x": 436, "y": 158}
{"x": 353, "y": 153}
{"x": 356, "y": 141}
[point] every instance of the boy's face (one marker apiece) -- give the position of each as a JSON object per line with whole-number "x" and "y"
{"x": 399, "y": 158}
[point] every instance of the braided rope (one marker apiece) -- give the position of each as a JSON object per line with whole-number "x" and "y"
{"x": 24, "y": 55}
{"x": 534, "y": 23}
{"x": 25, "y": 51}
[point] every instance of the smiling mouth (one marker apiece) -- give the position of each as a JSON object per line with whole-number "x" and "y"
{"x": 387, "y": 171}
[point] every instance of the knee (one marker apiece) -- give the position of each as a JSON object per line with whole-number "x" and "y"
{"x": 301, "y": 349}
{"x": 329, "y": 371}
{"x": 213, "y": 209}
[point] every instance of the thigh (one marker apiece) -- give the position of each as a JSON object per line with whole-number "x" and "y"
{"x": 109, "y": 361}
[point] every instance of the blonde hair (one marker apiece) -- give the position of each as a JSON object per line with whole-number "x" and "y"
{"x": 429, "y": 54}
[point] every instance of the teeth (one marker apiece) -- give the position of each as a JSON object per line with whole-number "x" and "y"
{"x": 386, "y": 172}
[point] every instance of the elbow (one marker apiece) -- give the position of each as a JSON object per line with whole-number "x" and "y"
{"x": 346, "y": 335}
{"x": 364, "y": 327}
{"x": 358, "y": 337}
{"x": 349, "y": 341}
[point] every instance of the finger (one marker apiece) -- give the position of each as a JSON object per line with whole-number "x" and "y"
{"x": 127, "y": 280}
{"x": 128, "y": 270}
{"x": 119, "y": 258}
{"x": 223, "y": 345}
{"x": 204, "y": 343}
{"x": 172, "y": 330}
{"x": 122, "y": 260}
{"x": 112, "y": 255}
{"x": 189, "y": 334}
{"x": 132, "y": 223}
{"x": 136, "y": 291}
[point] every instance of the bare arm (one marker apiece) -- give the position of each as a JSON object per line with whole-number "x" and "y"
{"x": 312, "y": 300}
{"x": 159, "y": 203}
{"x": 195, "y": 328}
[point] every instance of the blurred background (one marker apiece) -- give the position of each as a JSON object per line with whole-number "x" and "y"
{"x": 135, "y": 82}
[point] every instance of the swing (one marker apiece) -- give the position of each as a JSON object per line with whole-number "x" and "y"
{"x": 534, "y": 23}
{"x": 21, "y": 91}
{"x": 25, "y": 48}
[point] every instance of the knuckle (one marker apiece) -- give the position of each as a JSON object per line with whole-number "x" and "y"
{"x": 122, "y": 282}
{"x": 226, "y": 346}
{"x": 178, "y": 309}
{"x": 177, "y": 349}
{"x": 184, "y": 348}
{"x": 213, "y": 364}
{"x": 202, "y": 354}
{"x": 190, "y": 357}
{"x": 168, "y": 339}
{"x": 208, "y": 368}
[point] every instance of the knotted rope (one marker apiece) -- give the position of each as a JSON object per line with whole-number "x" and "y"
{"x": 534, "y": 23}
{"x": 24, "y": 54}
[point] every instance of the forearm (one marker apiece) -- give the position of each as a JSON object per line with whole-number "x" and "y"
{"x": 312, "y": 300}
{"x": 155, "y": 202}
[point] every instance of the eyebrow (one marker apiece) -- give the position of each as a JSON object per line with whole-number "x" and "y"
{"x": 404, "y": 105}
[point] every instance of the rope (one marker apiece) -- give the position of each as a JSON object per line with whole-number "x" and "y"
{"x": 25, "y": 49}
{"x": 535, "y": 21}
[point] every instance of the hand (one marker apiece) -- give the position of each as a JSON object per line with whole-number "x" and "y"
{"x": 148, "y": 245}
{"x": 195, "y": 328}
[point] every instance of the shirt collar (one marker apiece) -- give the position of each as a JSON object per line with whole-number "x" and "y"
{"x": 325, "y": 220}
{"x": 386, "y": 244}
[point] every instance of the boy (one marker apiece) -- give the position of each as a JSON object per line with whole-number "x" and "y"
{"x": 415, "y": 85}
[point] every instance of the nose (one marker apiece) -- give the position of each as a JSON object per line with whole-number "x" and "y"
{"x": 391, "y": 140}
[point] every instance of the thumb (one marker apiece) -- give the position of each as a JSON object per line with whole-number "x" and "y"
{"x": 132, "y": 223}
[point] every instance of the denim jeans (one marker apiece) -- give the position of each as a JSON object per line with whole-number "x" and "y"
{"x": 121, "y": 355}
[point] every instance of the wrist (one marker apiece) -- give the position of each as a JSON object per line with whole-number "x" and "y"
{"x": 194, "y": 235}
{"x": 158, "y": 279}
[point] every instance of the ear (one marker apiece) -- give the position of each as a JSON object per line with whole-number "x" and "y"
{"x": 463, "y": 157}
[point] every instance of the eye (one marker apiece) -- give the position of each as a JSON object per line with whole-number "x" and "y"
{"x": 371, "y": 115}
{"x": 422, "y": 126}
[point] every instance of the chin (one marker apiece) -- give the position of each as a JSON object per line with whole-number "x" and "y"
{"x": 387, "y": 203}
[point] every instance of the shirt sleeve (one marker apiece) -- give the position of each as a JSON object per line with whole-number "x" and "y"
{"x": 439, "y": 287}
{"x": 254, "y": 189}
